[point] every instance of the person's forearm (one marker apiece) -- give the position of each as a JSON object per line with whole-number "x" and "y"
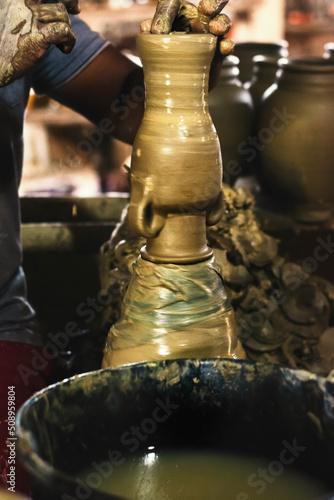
{"x": 129, "y": 109}
{"x": 109, "y": 92}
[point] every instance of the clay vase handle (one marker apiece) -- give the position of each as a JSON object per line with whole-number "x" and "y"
{"x": 216, "y": 211}
{"x": 145, "y": 219}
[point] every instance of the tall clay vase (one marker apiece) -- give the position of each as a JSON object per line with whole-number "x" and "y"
{"x": 176, "y": 166}
{"x": 295, "y": 134}
{"x": 176, "y": 305}
{"x": 232, "y": 112}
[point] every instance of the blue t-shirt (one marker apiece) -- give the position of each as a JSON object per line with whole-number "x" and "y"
{"x": 52, "y": 71}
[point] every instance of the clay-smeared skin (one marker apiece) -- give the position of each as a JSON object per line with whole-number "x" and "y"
{"x": 181, "y": 15}
{"x": 164, "y": 16}
{"x": 211, "y": 8}
{"x": 220, "y": 25}
{"x": 27, "y": 28}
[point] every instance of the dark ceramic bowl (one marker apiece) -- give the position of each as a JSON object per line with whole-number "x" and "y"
{"x": 218, "y": 405}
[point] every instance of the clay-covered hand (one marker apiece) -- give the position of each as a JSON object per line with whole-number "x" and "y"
{"x": 27, "y": 29}
{"x": 181, "y": 15}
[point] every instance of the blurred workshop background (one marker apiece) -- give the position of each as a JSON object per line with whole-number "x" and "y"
{"x": 63, "y": 153}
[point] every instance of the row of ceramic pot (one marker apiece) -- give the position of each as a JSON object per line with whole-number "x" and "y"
{"x": 275, "y": 119}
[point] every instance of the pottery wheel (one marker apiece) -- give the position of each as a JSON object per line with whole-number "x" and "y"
{"x": 284, "y": 315}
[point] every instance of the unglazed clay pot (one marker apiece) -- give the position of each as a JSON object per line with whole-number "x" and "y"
{"x": 295, "y": 134}
{"x": 231, "y": 109}
{"x": 176, "y": 166}
{"x": 264, "y": 75}
{"x": 247, "y": 50}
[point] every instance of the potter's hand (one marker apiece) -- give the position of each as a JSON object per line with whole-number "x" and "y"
{"x": 180, "y": 15}
{"x": 27, "y": 29}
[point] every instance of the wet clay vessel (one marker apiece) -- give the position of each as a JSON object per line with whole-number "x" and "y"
{"x": 176, "y": 166}
{"x": 176, "y": 305}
